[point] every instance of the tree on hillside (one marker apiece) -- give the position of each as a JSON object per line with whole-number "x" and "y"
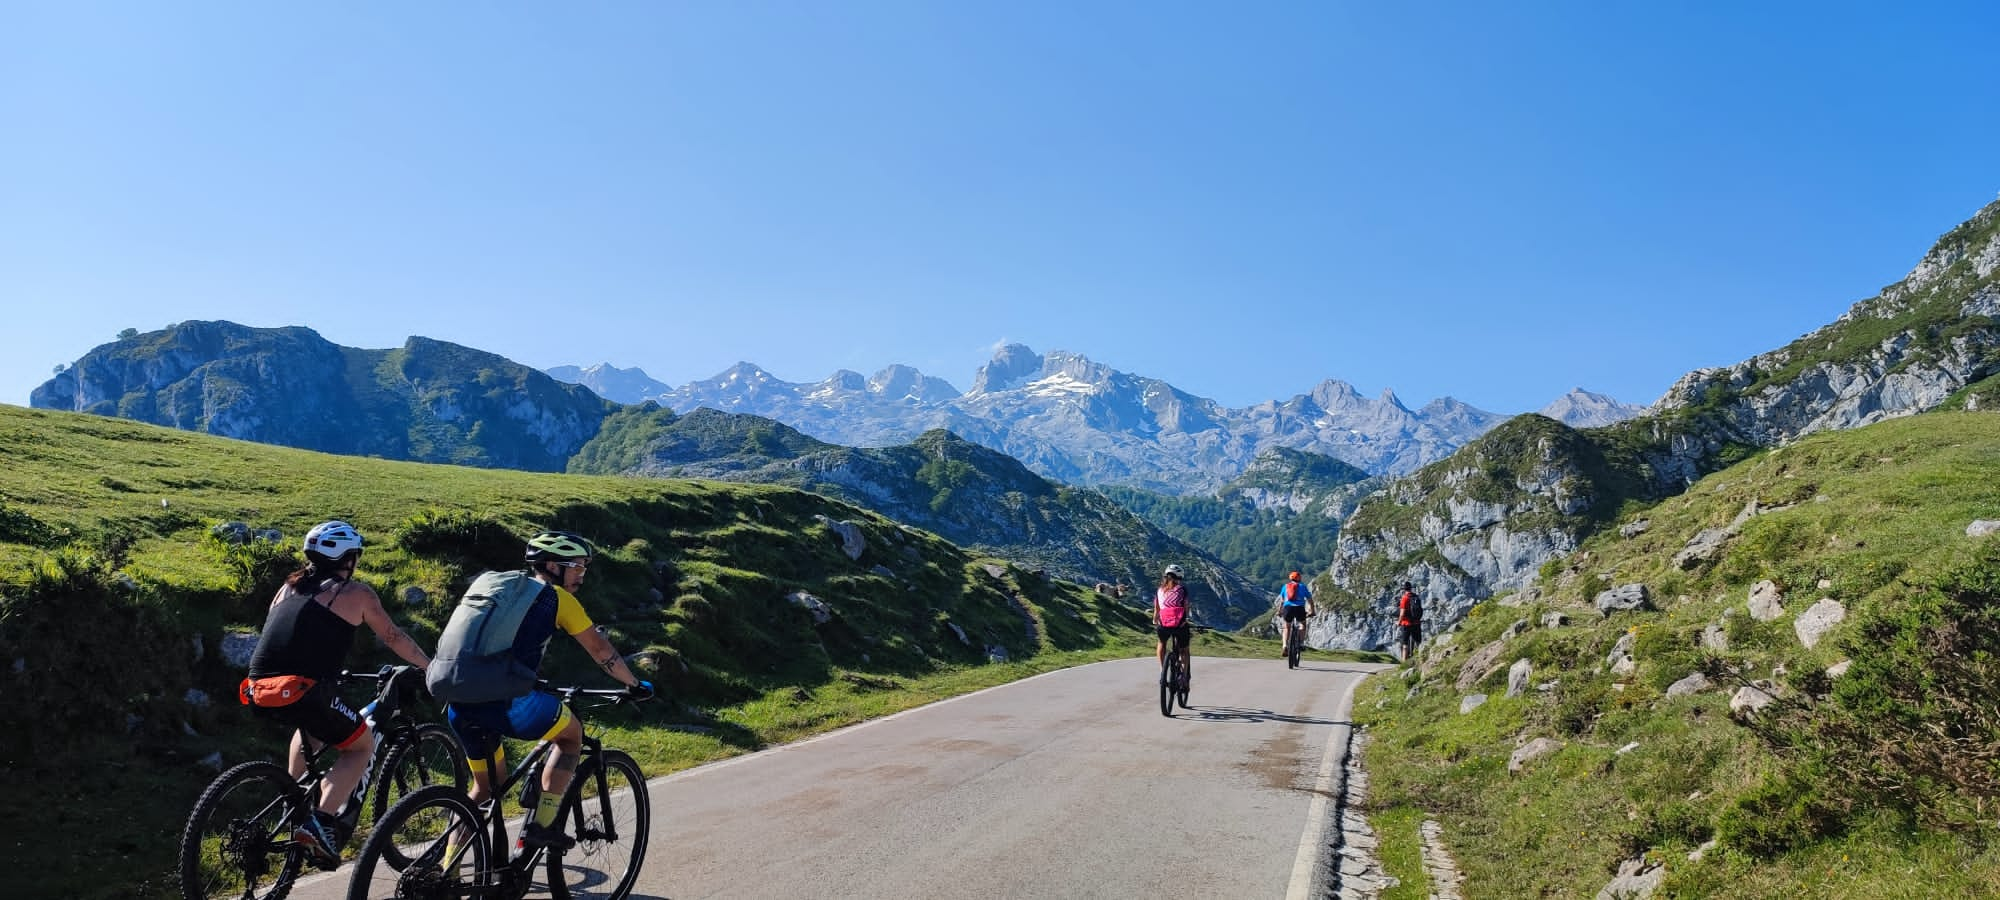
{"x": 128, "y": 334}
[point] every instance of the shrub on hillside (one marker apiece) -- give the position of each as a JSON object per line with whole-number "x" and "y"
{"x": 257, "y": 566}
{"x": 86, "y": 658}
{"x": 472, "y": 543}
{"x": 18, "y": 527}
{"x": 1912, "y": 726}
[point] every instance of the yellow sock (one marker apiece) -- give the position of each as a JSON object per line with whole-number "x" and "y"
{"x": 545, "y": 808}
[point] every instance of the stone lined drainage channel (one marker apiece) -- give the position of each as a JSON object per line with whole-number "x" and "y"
{"x": 1356, "y": 873}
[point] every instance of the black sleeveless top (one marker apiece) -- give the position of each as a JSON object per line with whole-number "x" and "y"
{"x": 302, "y": 637}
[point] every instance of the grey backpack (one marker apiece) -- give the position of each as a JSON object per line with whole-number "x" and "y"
{"x": 475, "y": 661}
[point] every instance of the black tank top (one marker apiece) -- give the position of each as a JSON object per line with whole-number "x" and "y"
{"x": 302, "y": 637}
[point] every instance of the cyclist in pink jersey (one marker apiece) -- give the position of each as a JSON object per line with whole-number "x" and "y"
{"x": 1170, "y": 616}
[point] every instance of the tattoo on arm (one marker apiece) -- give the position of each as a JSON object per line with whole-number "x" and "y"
{"x": 609, "y": 662}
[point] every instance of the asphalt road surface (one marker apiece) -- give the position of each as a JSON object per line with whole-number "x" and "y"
{"x": 1068, "y": 784}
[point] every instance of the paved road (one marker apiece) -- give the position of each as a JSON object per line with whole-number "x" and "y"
{"x": 1069, "y": 784}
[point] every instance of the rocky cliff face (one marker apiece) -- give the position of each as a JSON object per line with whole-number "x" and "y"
{"x": 1463, "y": 529}
{"x": 428, "y": 401}
{"x": 1459, "y": 533}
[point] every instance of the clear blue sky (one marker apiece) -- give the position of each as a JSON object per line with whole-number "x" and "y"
{"x": 1492, "y": 201}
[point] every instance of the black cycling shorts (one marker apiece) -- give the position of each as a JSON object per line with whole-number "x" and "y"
{"x": 1179, "y": 633}
{"x": 1414, "y": 632}
{"x": 1292, "y": 613}
{"x": 321, "y": 714}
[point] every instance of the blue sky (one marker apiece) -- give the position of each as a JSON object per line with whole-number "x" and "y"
{"x": 1496, "y": 202}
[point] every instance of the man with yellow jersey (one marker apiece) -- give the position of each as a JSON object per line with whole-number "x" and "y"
{"x": 558, "y": 560}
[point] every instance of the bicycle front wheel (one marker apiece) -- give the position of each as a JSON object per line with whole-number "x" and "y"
{"x": 610, "y": 820}
{"x": 429, "y": 845}
{"x": 238, "y": 841}
{"x": 430, "y": 756}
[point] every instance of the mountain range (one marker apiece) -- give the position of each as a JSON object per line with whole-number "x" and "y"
{"x": 432, "y": 401}
{"x": 968, "y": 494}
{"x": 1459, "y": 503}
{"x": 1081, "y": 422}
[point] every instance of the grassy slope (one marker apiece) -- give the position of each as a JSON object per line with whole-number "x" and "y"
{"x": 1877, "y": 510}
{"x": 98, "y": 730}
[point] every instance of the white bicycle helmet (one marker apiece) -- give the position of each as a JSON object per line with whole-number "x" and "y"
{"x": 328, "y": 542}
{"x": 1175, "y": 570}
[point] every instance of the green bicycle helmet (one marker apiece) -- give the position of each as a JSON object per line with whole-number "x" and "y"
{"x": 559, "y": 546}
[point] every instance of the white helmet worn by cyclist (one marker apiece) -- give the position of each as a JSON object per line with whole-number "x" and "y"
{"x": 330, "y": 542}
{"x": 1175, "y": 571}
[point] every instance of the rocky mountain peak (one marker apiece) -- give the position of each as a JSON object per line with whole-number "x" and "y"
{"x": 900, "y": 382}
{"x": 745, "y": 371}
{"x": 1012, "y": 366}
{"x": 610, "y": 382}
{"x": 1583, "y": 409}
{"x": 845, "y": 380}
{"x": 1336, "y": 396}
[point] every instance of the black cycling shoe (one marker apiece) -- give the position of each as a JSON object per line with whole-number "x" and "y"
{"x": 537, "y": 835}
{"x": 321, "y": 838}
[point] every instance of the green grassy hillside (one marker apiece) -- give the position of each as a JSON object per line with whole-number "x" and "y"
{"x": 114, "y": 597}
{"x": 1877, "y": 781}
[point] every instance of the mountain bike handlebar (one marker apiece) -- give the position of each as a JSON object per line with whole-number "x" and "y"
{"x": 609, "y": 696}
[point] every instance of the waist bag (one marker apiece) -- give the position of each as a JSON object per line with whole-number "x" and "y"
{"x": 475, "y": 660}
{"x": 274, "y": 690}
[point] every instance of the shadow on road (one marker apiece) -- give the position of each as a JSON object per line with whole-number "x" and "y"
{"x": 1239, "y": 715}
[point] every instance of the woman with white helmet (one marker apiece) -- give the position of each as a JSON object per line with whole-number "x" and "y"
{"x": 306, "y": 636}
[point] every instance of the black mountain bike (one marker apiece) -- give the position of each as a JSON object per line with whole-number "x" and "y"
{"x": 1174, "y": 676}
{"x": 238, "y": 841}
{"x": 437, "y": 845}
{"x": 1294, "y": 640}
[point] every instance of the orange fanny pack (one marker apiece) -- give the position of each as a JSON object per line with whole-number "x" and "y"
{"x": 276, "y": 690}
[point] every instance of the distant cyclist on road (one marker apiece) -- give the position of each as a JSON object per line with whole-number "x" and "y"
{"x": 556, "y": 561}
{"x": 1295, "y": 605}
{"x": 1171, "y": 619}
{"x": 1409, "y": 621}
{"x": 306, "y": 636}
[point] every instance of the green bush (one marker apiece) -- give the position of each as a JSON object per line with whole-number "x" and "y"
{"x": 258, "y": 567}
{"x": 1912, "y": 727}
{"x": 461, "y": 539}
{"x": 1784, "y": 812}
{"x": 1580, "y": 704}
{"x": 18, "y": 527}
{"x": 89, "y": 656}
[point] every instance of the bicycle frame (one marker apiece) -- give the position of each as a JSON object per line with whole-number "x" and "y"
{"x": 396, "y": 724}
{"x": 512, "y": 878}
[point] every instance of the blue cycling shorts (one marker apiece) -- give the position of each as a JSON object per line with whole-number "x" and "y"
{"x": 480, "y": 726}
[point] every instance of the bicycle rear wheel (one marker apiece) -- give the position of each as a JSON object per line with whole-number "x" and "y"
{"x": 238, "y": 840}
{"x": 1167, "y": 683}
{"x": 430, "y": 845}
{"x": 1182, "y": 677}
{"x": 610, "y": 821}
{"x": 430, "y": 756}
